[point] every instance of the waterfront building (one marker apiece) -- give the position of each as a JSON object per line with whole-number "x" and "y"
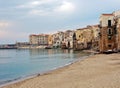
{"x": 50, "y": 40}
{"x": 63, "y": 40}
{"x": 68, "y": 38}
{"x": 109, "y": 39}
{"x": 87, "y": 37}
{"x": 33, "y": 39}
{"x": 58, "y": 39}
{"x": 40, "y": 39}
{"x": 117, "y": 27}
{"x": 94, "y": 36}
{"x": 82, "y": 38}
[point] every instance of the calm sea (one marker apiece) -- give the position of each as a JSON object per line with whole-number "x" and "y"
{"x": 18, "y": 64}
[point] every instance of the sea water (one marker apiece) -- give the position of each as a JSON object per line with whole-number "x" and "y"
{"x": 17, "y": 64}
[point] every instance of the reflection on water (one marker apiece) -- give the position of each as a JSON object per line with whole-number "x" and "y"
{"x": 20, "y": 63}
{"x": 34, "y": 52}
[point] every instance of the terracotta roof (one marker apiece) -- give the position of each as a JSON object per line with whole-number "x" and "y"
{"x": 107, "y": 14}
{"x": 33, "y": 35}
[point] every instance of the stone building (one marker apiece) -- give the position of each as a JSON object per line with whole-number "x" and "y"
{"x": 33, "y": 39}
{"x": 57, "y": 39}
{"x": 50, "y": 40}
{"x": 63, "y": 40}
{"x": 40, "y": 39}
{"x": 68, "y": 38}
{"x": 109, "y": 38}
{"x": 94, "y": 36}
{"x": 117, "y": 27}
{"x": 87, "y": 37}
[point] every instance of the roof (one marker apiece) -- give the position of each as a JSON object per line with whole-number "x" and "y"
{"x": 82, "y": 28}
{"x": 39, "y": 35}
{"x": 107, "y": 14}
{"x": 33, "y": 35}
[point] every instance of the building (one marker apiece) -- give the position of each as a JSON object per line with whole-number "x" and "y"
{"x": 33, "y": 39}
{"x": 68, "y": 38}
{"x": 109, "y": 38}
{"x": 117, "y": 27}
{"x": 50, "y": 41}
{"x": 58, "y": 39}
{"x": 94, "y": 36}
{"x": 63, "y": 40}
{"x": 41, "y": 39}
{"x": 87, "y": 38}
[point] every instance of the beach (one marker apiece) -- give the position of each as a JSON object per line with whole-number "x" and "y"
{"x": 98, "y": 71}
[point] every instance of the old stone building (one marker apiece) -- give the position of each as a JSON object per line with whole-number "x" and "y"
{"x": 57, "y": 39}
{"x": 109, "y": 38}
{"x": 40, "y": 39}
{"x": 68, "y": 38}
{"x": 87, "y": 38}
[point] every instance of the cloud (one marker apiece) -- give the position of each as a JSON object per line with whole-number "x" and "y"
{"x": 48, "y": 7}
{"x": 34, "y": 4}
{"x": 65, "y": 7}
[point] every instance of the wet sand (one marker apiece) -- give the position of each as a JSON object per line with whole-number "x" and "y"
{"x": 99, "y": 71}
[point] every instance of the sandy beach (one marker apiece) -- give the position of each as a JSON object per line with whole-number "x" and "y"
{"x": 99, "y": 71}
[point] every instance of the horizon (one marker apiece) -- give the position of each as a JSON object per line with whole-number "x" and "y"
{"x": 19, "y": 19}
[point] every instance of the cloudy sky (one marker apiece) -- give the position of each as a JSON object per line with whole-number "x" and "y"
{"x": 19, "y": 18}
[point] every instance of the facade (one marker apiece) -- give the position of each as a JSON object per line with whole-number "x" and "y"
{"x": 94, "y": 36}
{"x": 58, "y": 39}
{"x": 109, "y": 39}
{"x": 41, "y": 39}
{"x": 68, "y": 38}
{"x": 63, "y": 40}
{"x": 33, "y": 39}
{"x": 50, "y": 41}
{"x": 87, "y": 37}
{"x": 117, "y": 26}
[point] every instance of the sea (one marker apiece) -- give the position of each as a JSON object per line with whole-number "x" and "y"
{"x": 17, "y": 64}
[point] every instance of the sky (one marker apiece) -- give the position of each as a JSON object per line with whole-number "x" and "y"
{"x": 20, "y": 18}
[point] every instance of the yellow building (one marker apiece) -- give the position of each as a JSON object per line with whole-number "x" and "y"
{"x": 86, "y": 36}
{"x": 50, "y": 40}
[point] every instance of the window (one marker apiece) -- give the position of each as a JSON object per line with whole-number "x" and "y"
{"x": 109, "y": 37}
{"x": 109, "y": 46}
{"x": 109, "y": 23}
{"x": 109, "y": 31}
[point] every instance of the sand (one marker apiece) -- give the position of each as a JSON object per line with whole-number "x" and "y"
{"x": 99, "y": 71}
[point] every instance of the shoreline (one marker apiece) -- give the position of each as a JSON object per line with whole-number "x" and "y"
{"x": 31, "y": 76}
{"x": 97, "y": 71}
